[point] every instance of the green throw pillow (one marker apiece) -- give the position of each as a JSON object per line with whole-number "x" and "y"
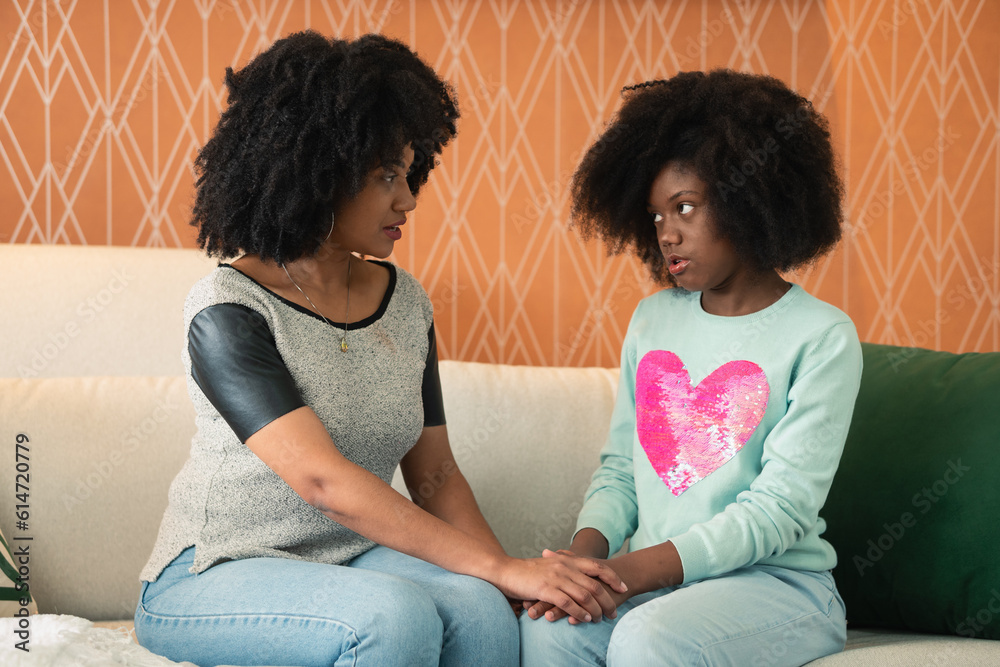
{"x": 15, "y": 597}
{"x": 915, "y": 506}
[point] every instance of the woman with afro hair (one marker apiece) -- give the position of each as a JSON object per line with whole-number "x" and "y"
{"x": 736, "y": 388}
{"x": 313, "y": 373}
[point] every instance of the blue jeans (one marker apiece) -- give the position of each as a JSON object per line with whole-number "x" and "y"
{"x": 382, "y": 608}
{"x": 755, "y": 616}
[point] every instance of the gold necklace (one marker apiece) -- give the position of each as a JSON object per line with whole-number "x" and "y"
{"x": 343, "y": 340}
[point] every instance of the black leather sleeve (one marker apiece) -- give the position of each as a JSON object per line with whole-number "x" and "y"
{"x": 236, "y": 363}
{"x": 431, "y": 390}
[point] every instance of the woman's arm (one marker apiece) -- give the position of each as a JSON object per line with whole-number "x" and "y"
{"x": 437, "y": 486}
{"x": 298, "y": 449}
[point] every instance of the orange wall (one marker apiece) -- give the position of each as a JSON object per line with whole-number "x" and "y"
{"x": 104, "y": 104}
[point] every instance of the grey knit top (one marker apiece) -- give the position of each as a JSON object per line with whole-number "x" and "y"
{"x": 225, "y": 501}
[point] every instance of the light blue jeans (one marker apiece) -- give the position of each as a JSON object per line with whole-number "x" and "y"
{"x": 755, "y": 616}
{"x": 382, "y": 608}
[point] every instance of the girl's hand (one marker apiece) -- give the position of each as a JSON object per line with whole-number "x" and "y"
{"x": 536, "y": 609}
{"x": 579, "y": 587}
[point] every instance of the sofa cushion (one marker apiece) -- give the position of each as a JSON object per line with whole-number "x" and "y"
{"x": 103, "y": 453}
{"x": 527, "y": 449}
{"x": 914, "y": 507}
{"x": 879, "y": 648}
{"x": 95, "y": 310}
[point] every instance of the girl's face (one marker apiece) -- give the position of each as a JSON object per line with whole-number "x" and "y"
{"x": 370, "y": 224}
{"x": 698, "y": 258}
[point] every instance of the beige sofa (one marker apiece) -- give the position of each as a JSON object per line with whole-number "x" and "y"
{"x": 90, "y": 371}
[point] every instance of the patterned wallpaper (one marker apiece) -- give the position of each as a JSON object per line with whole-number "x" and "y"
{"x": 103, "y": 104}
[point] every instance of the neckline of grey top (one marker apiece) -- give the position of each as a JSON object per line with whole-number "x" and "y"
{"x": 360, "y": 324}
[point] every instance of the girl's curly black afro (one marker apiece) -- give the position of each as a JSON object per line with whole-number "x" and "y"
{"x": 307, "y": 120}
{"x": 762, "y": 149}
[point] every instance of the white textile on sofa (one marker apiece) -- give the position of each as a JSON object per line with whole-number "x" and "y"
{"x": 60, "y": 641}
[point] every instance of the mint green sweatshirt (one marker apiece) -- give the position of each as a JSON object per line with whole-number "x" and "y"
{"x": 727, "y": 432}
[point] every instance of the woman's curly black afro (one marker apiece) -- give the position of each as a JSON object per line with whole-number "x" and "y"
{"x": 307, "y": 120}
{"x": 762, "y": 149}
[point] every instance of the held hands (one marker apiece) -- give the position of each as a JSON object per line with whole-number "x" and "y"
{"x": 582, "y": 588}
{"x": 538, "y": 608}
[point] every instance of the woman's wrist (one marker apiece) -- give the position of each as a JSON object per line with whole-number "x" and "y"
{"x": 493, "y": 567}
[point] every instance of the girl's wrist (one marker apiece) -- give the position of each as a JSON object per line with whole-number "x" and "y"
{"x": 590, "y": 542}
{"x": 649, "y": 569}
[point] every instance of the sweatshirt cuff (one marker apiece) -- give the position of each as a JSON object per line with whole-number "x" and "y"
{"x": 610, "y": 527}
{"x": 694, "y": 555}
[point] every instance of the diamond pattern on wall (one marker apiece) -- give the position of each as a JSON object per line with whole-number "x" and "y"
{"x": 103, "y": 106}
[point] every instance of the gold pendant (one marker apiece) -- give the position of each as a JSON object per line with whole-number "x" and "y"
{"x": 343, "y": 344}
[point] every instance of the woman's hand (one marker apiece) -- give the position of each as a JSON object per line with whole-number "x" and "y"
{"x": 581, "y": 588}
{"x": 538, "y": 608}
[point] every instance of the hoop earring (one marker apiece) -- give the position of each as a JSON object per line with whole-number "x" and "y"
{"x": 331, "y": 229}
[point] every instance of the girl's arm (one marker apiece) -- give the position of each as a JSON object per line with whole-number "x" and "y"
{"x": 610, "y": 506}
{"x": 298, "y": 449}
{"x": 611, "y": 510}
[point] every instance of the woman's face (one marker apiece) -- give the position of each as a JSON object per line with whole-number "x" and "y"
{"x": 370, "y": 224}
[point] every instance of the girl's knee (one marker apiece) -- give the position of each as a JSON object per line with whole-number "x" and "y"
{"x": 540, "y": 640}
{"x": 634, "y": 642}
{"x": 559, "y": 643}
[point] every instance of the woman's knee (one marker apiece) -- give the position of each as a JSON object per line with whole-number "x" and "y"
{"x": 407, "y": 620}
{"x": 478, "y": 622}
{"x": 477, "y": 601}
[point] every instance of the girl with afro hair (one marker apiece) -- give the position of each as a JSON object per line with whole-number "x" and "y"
{"x": 736, "y": 388}
{"x": 313, "y": 372}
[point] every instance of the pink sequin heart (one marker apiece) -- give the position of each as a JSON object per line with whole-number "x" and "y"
{"x": 689, "y": 432}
